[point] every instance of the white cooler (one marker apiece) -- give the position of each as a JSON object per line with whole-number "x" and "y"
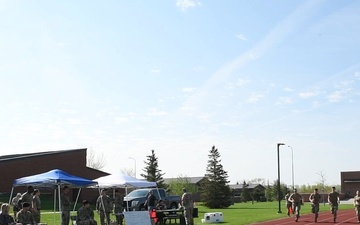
{"x": 214, "y": 217}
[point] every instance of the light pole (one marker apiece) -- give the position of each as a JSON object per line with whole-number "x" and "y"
{"x": 292, "y": 167}
{"x": 278, "y": 181}
{"x": 134, "y": 164}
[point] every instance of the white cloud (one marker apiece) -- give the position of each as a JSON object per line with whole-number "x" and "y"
{"x": 188, "y": 90}
{"x": 255, "y": 98}
{"x": 308, "y": 94}
{"x": 241, "y": 37}
{"x": 155, "y": 70}
{"x": 287, "y": 89}
{"x": 241, "y": 82}
{"x": 155, "y": 112}
{"x": 357, "y": 75}
{"x": 68, "y": 111}
{"x": 198, "y": 68}
{"x": 185, "y": 4}
{"x": 335, "y": 96}
{"x": 121, "y": 120}
{"x": 284, "y": 100}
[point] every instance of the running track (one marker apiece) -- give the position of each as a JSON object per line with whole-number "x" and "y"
{"x": 343, "y": 217}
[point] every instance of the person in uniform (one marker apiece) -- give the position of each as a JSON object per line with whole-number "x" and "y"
{"x": 85, "y": 215}
{"x": 5, "y": 217}
{"x": 118, "y": 207}
{"x": 288, "y": 203}
{"x": 334, "y": 200}
{"x": 25, "y": 216}
{"x": 315, "y": 199}
{"x": 65, "y": 206}
{"x": 36, "y": 205}
{"x": 160, "y": 215}
{"x": 188, "y": 203}
{"x": 27, "y": 196}
{"x": 104, "y": 206}
{"x": 357, "y": 205}
{"x": 297, "y": 201}
{"x": 15, "y": 204}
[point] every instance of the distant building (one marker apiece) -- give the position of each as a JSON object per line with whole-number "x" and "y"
{"x": 350, "y": 183}
{"x": 197, "y": 181}
{"x": 21, "y": 165}
{"x": 237, "y": 189}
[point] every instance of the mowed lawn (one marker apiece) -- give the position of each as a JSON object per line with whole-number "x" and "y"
{"x": 238, "y": 214}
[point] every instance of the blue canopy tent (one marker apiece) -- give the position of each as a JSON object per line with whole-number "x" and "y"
{"x": 53, "y": 179}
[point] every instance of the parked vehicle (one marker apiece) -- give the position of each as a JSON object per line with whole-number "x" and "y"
{"x": 135, "y": 200}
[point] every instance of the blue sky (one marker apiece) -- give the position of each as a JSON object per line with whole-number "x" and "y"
{"x": 179, "y": 76}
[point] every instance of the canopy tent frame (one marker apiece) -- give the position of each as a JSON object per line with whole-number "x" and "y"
{"x": 123, "y": 181}
{"x": 54, "y": 179}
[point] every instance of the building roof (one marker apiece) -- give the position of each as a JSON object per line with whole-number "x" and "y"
{"x": 192, "y": 180}
{"x": 249, "y": 186}
{"x": 36, "y": 154}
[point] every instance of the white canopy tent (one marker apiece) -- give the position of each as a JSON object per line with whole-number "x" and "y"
{"x": 122, "y": 180}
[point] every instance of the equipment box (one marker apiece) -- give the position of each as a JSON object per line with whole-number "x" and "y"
{"x": 214, "y": 217}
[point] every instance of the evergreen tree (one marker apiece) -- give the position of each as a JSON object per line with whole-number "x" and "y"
{"x": 152, "y": 172}
{"x": 216, "y": 192}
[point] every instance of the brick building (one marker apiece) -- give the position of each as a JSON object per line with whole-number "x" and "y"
{"x": 350, "y": 182}
{"x": 22, "y": 165}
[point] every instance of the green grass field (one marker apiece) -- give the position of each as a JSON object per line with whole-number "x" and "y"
{"x": 238, "y": 214}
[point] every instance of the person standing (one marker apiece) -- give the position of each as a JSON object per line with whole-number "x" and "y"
{"x": 36, "y": 205}
{"x": 334, "y": 200}
{"x": 150, "y": 201}
{"x": 104, "y": 206}
{"x": 65, "y": 206}
{"x": 288, "y": 204}
{"x": 15, "y": 204}
{"x": 118, "y": 207}
{"x": 85, "y": 215}
{"x": 297, "y": 201}
{"x": 27, "y": 196}
{"x": 357, "y": 205}
{"x": 188, "y": 203}
{"x": 315, "y": 199}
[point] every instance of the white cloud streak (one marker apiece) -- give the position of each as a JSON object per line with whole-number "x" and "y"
{"x": 186, "y": 4}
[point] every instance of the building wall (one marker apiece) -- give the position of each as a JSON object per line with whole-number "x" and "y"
{"x": 350, "y": 182}
{"x": 70, "y": 161}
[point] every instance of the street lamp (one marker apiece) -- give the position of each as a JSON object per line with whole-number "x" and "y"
{"x": 292, "y": 167}
{"x": 278, "y": 181}
{"x": 134, "y": 164}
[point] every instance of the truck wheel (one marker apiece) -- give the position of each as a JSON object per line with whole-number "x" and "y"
{"x": 173, "y": 205}
{"x": 142, "y": 208}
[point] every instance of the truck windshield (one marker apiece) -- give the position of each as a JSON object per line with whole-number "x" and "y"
{"x": 138, "y": 193}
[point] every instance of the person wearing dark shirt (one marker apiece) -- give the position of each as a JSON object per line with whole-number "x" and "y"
{"x": 151, "y": 201}
{"x": 5, "y": 217}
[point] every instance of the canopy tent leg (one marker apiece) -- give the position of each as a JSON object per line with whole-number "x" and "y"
{"x": 55, "y": 204}
{"x": 77, "y": 198}
{"x": 60, "y": 209}
{"x": 11, "y": 193}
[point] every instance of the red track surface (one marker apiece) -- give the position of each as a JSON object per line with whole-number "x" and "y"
{"x": 343, "y": 217}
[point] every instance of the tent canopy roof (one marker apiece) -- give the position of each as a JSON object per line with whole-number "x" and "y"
{"x": 53, "y": 178}
{"x": 121, "y": 180}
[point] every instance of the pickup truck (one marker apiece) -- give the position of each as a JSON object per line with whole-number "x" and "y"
{"x": 135, "y": 200}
